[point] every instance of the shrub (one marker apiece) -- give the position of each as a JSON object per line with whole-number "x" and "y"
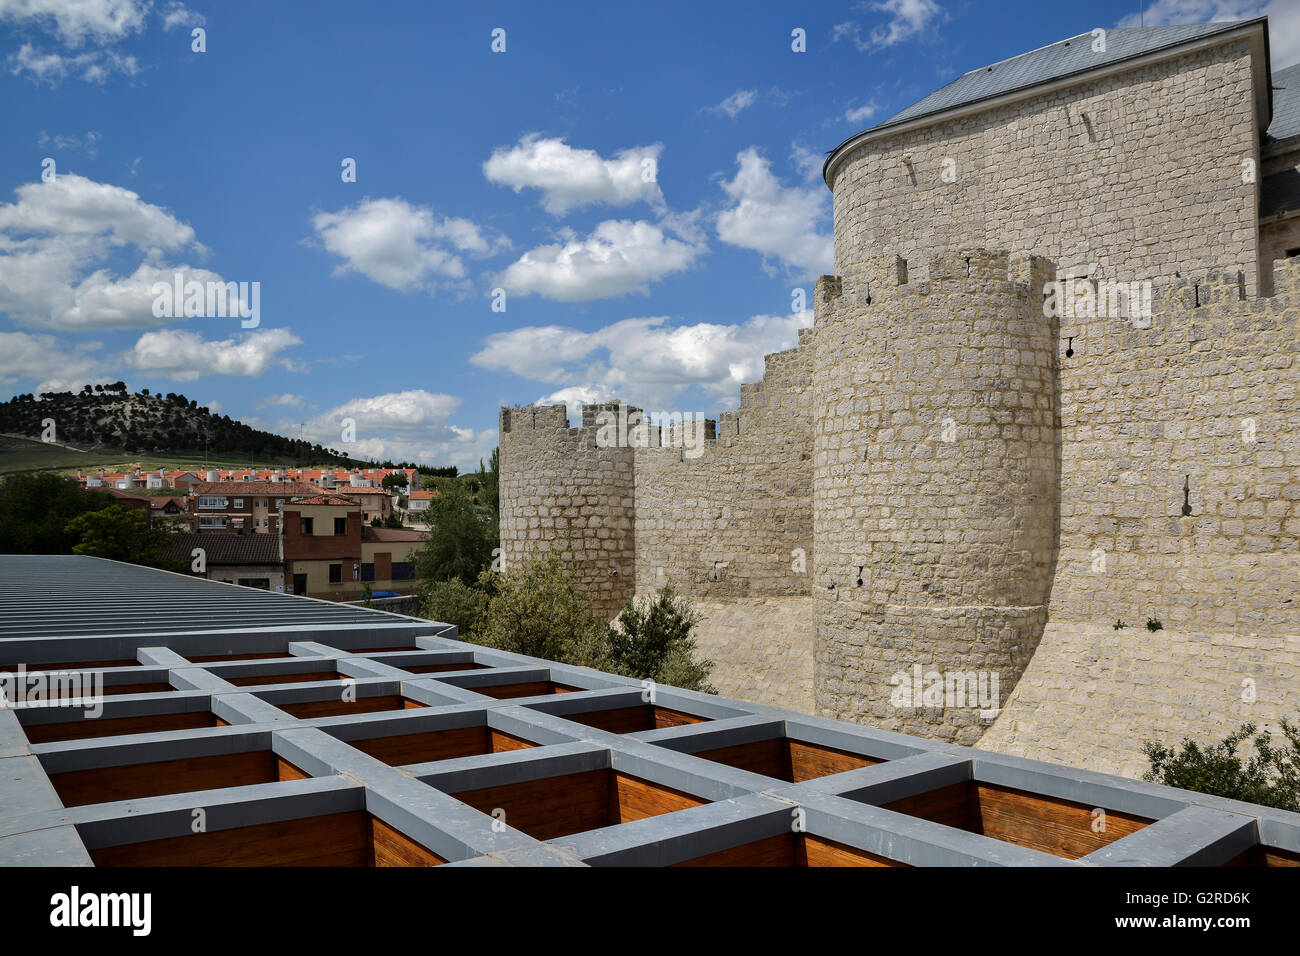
{"x": 455, "y": 602}
{"x": 651, "y": 639}
{"x": 538, "y": 611}
{"x": 1270, "y": 777}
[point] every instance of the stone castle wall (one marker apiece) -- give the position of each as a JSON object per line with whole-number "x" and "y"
{"x": 1137, "y": 174}
{"x": 1206, "y": 398}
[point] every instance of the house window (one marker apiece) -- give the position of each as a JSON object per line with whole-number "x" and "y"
{"x": 306, "y": 526}
{"x": 336, "y": 573}
{"x": 212, "y": 522}
{"x": 403, "y": 570}
{"x": 239, "y": 503}
{"x": 211, "y": 501}
{"x": 279, "y": 503}
{"x": 340, "y": 525}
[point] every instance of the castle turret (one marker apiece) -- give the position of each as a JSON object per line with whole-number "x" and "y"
{"x": 570, "y": 492}
{"x": 934, "y": 486}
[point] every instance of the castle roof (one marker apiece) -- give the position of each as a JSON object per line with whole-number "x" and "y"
{"x": 1057, "y": 61}
{"x": 1286, "y": 104}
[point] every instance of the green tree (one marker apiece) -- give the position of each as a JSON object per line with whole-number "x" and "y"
{"x": 651, "y": 639}
{"x": 1269, "y": 777}
{"x": 393, "y": 480}
{"x": 455, "y": 602}
{"x": 461, "y": 538}
{"x": 35, "y": 510}
{"x": 538, "y": 611}
{"x": 120, "y": 533}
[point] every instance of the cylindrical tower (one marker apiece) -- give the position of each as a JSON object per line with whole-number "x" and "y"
{"x": 570, "y": 492}
{"x": 935, "y": 473}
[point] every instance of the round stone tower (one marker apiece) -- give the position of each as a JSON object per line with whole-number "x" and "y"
{"x": 935, "y": 473}
{"x": 570, "y": 492}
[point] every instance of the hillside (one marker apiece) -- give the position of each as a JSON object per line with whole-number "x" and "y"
{"x": 113, "y": 425}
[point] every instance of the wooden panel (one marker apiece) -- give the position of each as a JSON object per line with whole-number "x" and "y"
{"x": 549, "y": 808}
{"x": 332, "y": 708}
{"x": 401, "y": 749}
{"x": 818, "y": 851}
{"x": 113, "y": 726}
{"x": 632, "y": 798}
{"x": 336, "y": 839}
{"x": 1055, "y": 826}
{"x": 809, "y": 761}
{"x": 946, "y": 805}
{"x": 620, "y": 720}
{"x": 159, "y": 687}
{"x": 392, "y": 847}
{"x": 502, "y": 741}
{"x": 665, "y": 717}
{"x": 287, "y": 771}
{"x": 300, "y": 678}
{"x": 774, "y": 851}
{"x": 133, "y": 781}
{"x": 767, "y": 757}
{"x": 1265, "y": 856}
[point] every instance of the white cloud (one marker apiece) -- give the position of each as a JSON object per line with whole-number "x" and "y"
{"x": 54, "y": 365}
{"x": 400, "y": 245}
{"x": 76, "y": 21}
{"x": 643, "y": 360}
{"x": 570, "y": 177}
{"x": 185, "y": 356}
{"x": 285, "y": 399}
{"x": 906, "y": 19}
{"x": 775, "y": 220}
{"x": 94, "y": 66}
{"x": 73, "y": 204}
{"x": 1283, "y": 20}
{"x": 618, "y": 257}
{"x": 56, "y": 241}
{"x": 89, "y": 144}
{"x": 736, "y": 103}
{"x": 860, "y": 114}
{"x": 413, "y": 425}
{"x": 176, "y": 14}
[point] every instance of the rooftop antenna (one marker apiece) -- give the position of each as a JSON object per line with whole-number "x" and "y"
{"x": 1142, "y": 15}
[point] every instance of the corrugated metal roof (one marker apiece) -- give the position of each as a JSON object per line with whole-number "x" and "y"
{"x": 54, "y": 595}
{"x": 1286, "y": 104}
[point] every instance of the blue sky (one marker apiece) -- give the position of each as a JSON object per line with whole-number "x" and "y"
{"x": 641, "y": 179}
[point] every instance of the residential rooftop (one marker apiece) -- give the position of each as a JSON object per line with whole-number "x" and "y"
{"x": 315, "y": 733}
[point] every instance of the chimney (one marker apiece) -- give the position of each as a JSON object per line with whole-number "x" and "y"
{"x": 212, "y": 476}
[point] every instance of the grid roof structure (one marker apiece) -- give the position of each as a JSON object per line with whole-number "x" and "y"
{"x": 382, "y": 740}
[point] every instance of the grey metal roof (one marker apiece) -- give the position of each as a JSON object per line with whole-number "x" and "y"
{"x": 1286, "y": 104}
{"x": 1056, "y": 61}
{"x": 1060, "y": 59}
{"x": 51, "y": 595}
